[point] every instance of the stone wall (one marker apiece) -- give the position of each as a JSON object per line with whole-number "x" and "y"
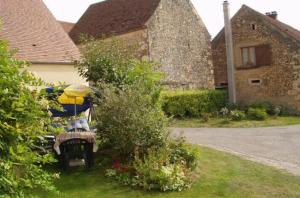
{"x": 179, "y": 40}
{"x": 280, "y": 81}
{"x": 138, "y": 38}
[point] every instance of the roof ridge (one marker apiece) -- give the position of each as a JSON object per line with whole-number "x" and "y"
{"x": 30, "y": 27}
{"x": 113, "y": 17}
{"x": 291, "y": 31}
{"x": 278, "y": 23}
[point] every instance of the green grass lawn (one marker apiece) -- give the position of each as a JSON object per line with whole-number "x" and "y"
{"x": 222, "y": 122}
{"x": 221, "y": 175}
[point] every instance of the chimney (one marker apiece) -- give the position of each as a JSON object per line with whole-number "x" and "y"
{"x": 273, "y": 14}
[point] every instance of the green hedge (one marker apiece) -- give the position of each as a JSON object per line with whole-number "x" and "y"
{"x": 192, "y": 103}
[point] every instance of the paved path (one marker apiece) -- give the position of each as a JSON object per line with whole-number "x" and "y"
{"x": 276, "y": 146}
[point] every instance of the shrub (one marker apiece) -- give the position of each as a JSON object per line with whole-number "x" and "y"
{"x": 115, "y": 62}
{"x": 273, "y": 110}
{"x": 155, "y": 172}
{"x": 257, "y": 114}
{"x": 224, "y": 111}
{"x": 23, "y": 121}
{"x": 267, "y": 106}
{"x": 193, "y": 103}
{"x": 130, "y": 120}
{"x": 127, "y": 120}
{"x": 169, "y": 168}
{"x": 180, "y": 151}
{"x": 237, "y": 115}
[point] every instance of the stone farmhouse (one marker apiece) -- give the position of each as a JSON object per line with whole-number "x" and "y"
{"x": 266, "y": 58}
{"x": 29, "y": 27}
{"x": 168, "y": 31}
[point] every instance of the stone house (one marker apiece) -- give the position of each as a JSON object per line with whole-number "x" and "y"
{"x": 168, "y": 31}
{"x": 266, "y": 58}
{"x": 29, "y": 27}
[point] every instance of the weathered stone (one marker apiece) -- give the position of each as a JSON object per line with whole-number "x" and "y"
{"x": 279, "y": 81}
{"x": 178, "y": 39}
{"x": 174, "y": 36}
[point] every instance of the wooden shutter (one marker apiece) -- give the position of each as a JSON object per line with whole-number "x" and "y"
{"x": 263, "y": 55}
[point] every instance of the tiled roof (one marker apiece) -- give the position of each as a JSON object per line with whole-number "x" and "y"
{"x": 280, "y": 26}
{"x": 67, "y": 26}
{"x": 29, "y": 26}
{"x": 114, "y": 17}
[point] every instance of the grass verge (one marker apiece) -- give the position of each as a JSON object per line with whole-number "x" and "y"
{"x": 221, "y": 175}
{"x": 226, "y": 123}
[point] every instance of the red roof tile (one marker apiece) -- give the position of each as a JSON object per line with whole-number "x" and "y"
{"x": 29, "y": 26}
{"x": 114, "y": 17}
{"x": 280, "y": 26}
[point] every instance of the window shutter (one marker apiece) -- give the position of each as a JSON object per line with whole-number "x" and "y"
{"x": 263, "y": 55}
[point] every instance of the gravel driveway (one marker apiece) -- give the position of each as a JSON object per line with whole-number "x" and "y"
{"x": 275, "y": 146}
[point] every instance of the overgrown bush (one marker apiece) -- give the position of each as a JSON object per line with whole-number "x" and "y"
{"x": 237, "y": 115}
{"x": 181, "y": 151}
{"x": 117, "y": 63}
{"x": 257, "y": 114}
{"x": 193, "y": 103}
{"x": 23, "y": 121}
{"x": 129, "y": 120}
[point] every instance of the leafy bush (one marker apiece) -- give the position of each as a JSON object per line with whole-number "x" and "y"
{"x": 271, "y": 109}
{"x": 224, "y": 111}
{"x": 127, "y": 120}
{"x": 180, "y": 151}
{"x": 131, "y": 122}
{"x": 23, "y": 120}
{"x": 168, "y": 168}
{"x": 257, "y": 114}
{"x": 193, "y": 103}
{"x": 156, "y": 172}
{"x": 237, "y": 115}
{"x": 115, "y": 62}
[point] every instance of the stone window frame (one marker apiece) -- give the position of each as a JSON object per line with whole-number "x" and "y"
{"x": 255, "y": 81}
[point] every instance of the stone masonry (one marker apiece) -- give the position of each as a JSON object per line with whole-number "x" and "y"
{"x": 279, "y": 82}
{"x": 179, "y": 40}
{"x": 169, "y": 32}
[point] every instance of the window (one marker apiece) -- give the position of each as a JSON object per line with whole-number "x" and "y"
{"x": 256, "y": 56}
{"x": 249, "y": 58}
{"x": 253, "y": 26}
{"x": 254, "y": 81}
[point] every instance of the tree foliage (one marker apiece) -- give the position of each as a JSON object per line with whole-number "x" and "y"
{"x": 23, "y": 121}
{"x": 117, "y": 63}
{"x": 130, "y": 120}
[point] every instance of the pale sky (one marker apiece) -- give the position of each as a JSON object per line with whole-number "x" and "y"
{"x": 210, "y": 11}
